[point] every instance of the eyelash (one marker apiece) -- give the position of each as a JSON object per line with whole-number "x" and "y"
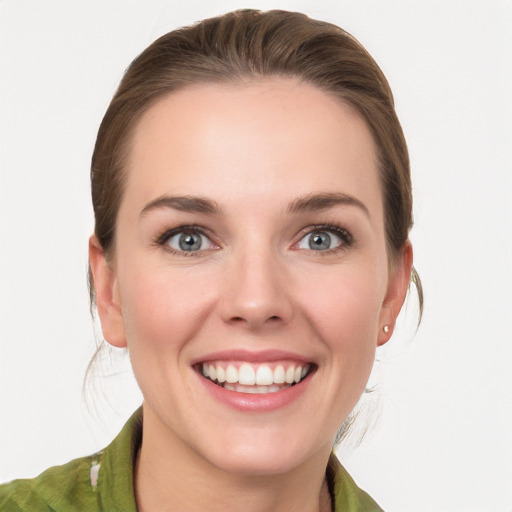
{"x": 167, "y": 235}
{"x": 339, "y": 231}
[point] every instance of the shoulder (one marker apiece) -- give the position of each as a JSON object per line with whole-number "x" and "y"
{"x": 103, "y": 481}
{"x": 60, "y": 488}
{"x": 348, "y": 497}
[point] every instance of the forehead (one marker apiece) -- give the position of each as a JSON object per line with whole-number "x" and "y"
{"x": 275, "y": 136}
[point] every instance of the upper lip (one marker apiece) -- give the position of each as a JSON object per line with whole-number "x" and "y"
{"x": 250, "y": 356}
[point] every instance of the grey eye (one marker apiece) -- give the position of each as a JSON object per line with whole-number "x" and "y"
{"x": 320, "y": 241}
{"x": 189, "y": 242}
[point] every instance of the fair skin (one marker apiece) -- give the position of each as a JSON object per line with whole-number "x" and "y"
{"x": 250, "y": 233}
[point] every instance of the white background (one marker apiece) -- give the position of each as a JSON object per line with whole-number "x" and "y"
{"x": 443, "y": 440}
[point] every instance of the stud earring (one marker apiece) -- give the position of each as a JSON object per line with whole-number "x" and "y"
{"x": 386, "y": 329}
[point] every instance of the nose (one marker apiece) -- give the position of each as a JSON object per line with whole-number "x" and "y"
{"x": 256, "y": 291}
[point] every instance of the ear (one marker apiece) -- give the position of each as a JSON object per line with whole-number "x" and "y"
{"x": 107, "y": 295}
{"x": 398, "y": 284}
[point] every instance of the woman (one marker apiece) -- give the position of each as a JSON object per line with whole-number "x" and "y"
{"x": 252, "y": 200}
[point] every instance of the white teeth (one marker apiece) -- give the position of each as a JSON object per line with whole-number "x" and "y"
{"x": 260, "y": 380}
{"x": 279, "y": 375}
{"x": 221, "y": 374}
{"x": 254, "y": 390}
{"x": 264, "y": 376}
{"x": 231, "y": 374}
{"x": 246, "y": 375}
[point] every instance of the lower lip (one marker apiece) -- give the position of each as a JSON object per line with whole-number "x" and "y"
{"x": 260, "y": 402}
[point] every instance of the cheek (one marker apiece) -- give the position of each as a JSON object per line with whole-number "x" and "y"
{"x": 162, "y": 308}
{"x": 163, "y": 311}
{"x": 346, "y": 313}
{"x": 345, "y": 320}
{"x": 348, "y": 299}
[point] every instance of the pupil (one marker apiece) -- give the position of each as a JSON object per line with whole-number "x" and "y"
{"x": 320, "y": 241}
{"x": 190, "y": 242}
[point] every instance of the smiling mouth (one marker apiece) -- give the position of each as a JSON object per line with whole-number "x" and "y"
{"x": 255, "y": 378}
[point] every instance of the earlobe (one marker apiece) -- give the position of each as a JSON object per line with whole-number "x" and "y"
{"x": 398, "y": 285}
{"x": 107, "y": 295}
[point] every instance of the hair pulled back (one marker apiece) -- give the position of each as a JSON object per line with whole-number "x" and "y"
{"x": 237, "y": 48}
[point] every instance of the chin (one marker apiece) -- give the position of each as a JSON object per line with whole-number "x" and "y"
{"x": 253, "y": 455}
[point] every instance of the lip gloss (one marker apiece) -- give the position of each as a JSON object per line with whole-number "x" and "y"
{"x": 258, "y": 402}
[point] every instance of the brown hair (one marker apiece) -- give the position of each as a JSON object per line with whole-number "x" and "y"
{"x": 238, "y": 47}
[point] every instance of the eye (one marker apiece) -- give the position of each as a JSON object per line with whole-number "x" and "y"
{"x": 188, "y": 241}
{"x": 324, "y": 239}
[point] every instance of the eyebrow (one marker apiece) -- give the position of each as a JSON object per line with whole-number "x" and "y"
{"x": 191, "y": 204}
{"x": 308, "y": 203}
{"x": 324, "y": 201}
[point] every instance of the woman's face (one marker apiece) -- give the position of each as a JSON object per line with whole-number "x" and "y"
{"x": 250, "y": 249}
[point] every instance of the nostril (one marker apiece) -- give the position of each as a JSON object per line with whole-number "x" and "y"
{"x": 253, "y": 321}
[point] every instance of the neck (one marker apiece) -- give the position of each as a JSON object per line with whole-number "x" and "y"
{"x": 171, "y": 476}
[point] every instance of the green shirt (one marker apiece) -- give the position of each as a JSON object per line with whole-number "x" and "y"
{"x": 103, "y": 482}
